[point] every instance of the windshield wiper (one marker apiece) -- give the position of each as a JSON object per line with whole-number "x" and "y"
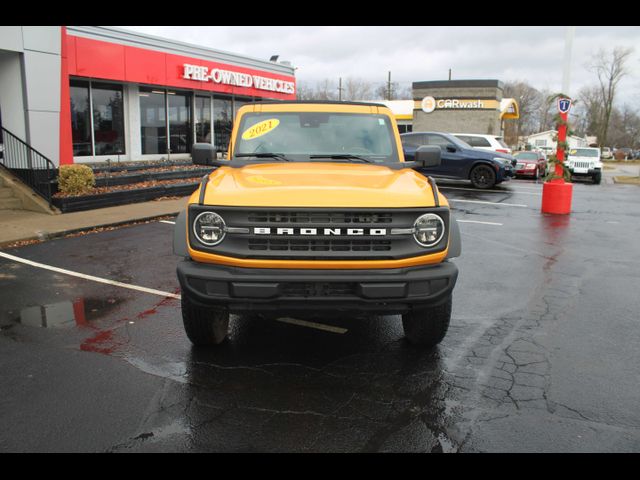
{"x": 279, "y": 156}
{"x": 339, "y": 156}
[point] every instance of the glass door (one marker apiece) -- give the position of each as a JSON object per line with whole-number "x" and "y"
{"x": 153, "y": 121}
{"x": 179, "y": 122}
{"x": 203, "y": 119}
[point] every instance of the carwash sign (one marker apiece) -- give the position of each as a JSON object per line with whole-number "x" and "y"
{"x": 238, "y": 79}
{"x": 429, "y": 104}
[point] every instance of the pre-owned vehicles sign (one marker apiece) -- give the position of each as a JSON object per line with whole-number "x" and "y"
{"x": 239, "y": 79}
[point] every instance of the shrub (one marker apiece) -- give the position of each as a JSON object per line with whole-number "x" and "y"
{"x": 76, "y": 179}
{"x": 619, "y": 155}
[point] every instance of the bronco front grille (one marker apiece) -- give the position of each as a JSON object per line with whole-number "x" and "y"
{"x": 313, "y": 218}
{"x": 287, "y": 245}
{"x": 318, "y": 234}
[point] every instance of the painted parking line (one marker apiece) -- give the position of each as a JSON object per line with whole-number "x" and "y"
{"x": 92, "y": 278}
{"x": 167, "y": 221}
{"x": 481, "y": 223}
{"x": 521, "y": 192}
{"x": 481, "y": 202}
{"x": 317, "y": 326}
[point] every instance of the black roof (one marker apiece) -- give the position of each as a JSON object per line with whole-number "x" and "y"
{"x": 315, "y": 102}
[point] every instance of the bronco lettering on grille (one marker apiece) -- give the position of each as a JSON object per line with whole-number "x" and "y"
{"x": 319, "y": 231}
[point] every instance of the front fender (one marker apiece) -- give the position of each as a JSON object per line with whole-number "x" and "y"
{"x": 180, "y": 235}
{"x": 455, "y": 239}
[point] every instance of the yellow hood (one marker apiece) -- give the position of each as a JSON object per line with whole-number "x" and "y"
{"x": 318, "y": 185}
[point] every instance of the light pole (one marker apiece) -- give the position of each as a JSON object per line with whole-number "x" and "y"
{"x": 556, "y": 193}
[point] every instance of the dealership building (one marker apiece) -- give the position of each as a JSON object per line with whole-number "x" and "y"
{"x": 81, "y": 94}
{"x": 470, "y": 106}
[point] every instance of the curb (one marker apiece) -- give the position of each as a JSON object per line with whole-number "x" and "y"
{"x": 44, "y": 236}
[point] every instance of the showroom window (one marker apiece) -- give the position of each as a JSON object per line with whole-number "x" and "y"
{"x": 108, "y": 118}
{"x": 202, "y": 119}
{"x": 153, "y": 121}
{"x": 80, "y": 118}
{"x": 165, "y": 114}
{"x": 222, "y": 122}
{"x": 103, "y": 132}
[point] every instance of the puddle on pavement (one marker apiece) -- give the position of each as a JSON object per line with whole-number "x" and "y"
{"x": 65, "y": 314}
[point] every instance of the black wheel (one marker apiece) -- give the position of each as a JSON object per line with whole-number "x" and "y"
{"x": 204, "y": 326}
{"x": 597, "y": 178}
{"x": 428, "y": 326}
{"x": 483, "y": 176}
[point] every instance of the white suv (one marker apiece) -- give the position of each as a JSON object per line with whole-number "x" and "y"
{"x": 491, "y": 143}
{"x": 585, "y": 162}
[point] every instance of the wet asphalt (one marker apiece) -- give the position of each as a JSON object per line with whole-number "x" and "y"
{"x": 542, "y": 353}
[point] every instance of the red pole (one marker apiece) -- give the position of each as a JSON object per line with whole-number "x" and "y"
{"x": 556, "y": 193}
{"x": 562, "y": 138}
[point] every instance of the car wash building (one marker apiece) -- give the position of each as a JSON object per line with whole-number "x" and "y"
{"x": 469, "y": 106}
{"x": 80, "y": 94}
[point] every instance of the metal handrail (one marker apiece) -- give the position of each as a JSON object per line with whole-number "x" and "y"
{"x": 28, "y": 164}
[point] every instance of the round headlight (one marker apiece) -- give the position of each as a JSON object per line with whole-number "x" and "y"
{"x": 428, "y": 229}
{"x": 208, "y": 228}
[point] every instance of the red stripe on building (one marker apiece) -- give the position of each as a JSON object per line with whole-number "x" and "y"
{"x": 109, "y": 61}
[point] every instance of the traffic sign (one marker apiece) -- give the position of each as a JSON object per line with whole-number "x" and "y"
{"x": 564, "y": 105}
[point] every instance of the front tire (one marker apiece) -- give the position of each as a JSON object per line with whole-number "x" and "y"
{"x": 483, "y": 176}
{"x": 597, "y": 178}
{"x": 427, "y": 327}
{"x": 204, "y": 326}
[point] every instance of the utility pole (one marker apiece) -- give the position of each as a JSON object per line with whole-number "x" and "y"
{"x": 449, "y": 74}
{"x": 566, "y": 71}
{"x": 340, "y": 89}
{"x": 389, "y": 87}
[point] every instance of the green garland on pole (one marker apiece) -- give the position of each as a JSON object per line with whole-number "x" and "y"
{"x": 552, "y": 161}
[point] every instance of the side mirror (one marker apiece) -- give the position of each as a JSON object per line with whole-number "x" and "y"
{"x": 204, "y": 154}
{"x": 428, "y": 156}
{"x": 452, "y": 148}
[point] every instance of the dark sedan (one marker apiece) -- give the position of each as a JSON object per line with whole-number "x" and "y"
{"x": 459, "y": 160}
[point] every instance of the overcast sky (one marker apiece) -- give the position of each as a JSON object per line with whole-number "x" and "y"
{"x": 529, "y": 53}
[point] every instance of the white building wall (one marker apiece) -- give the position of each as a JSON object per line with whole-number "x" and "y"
{"x": 30, "y": 64}
{"x": 11, "y": 98}
{"x": 546, "y": 139}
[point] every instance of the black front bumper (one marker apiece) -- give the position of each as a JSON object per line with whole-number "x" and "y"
{"x": 376, "y": 291}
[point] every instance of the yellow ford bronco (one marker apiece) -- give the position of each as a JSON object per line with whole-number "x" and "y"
{"x": 316, "y": 210}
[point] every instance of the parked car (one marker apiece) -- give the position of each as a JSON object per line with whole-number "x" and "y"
{"x": 585, "y": 162}
{"x": 547, "y": 150}
{"x": 491, "y": 143}
{"x": 606, "y": 153}
{"x": 623, "y": 153}
{"x": 530, "y": 164}
{"x": 459, "y": 160}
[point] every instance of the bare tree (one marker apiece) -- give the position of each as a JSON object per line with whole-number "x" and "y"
{"x": 624, "y": 128}
{"x": 591, "y": 110}
{"x": 326, "y": 90}
{"x": 358, "y": 89}
{"x": 545, "y": 111}
{"x": 528, "y": 99}
{"x": 610, "y": 68}
{"x": 304, "y": 91}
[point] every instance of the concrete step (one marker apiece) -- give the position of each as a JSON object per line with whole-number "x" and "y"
{"x": 6, "y": 192}
{"x": 11, "y": 203}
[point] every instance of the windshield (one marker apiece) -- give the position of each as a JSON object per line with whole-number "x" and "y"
{"x": 584, "y": 152}
{"x": 302, "y": 136}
